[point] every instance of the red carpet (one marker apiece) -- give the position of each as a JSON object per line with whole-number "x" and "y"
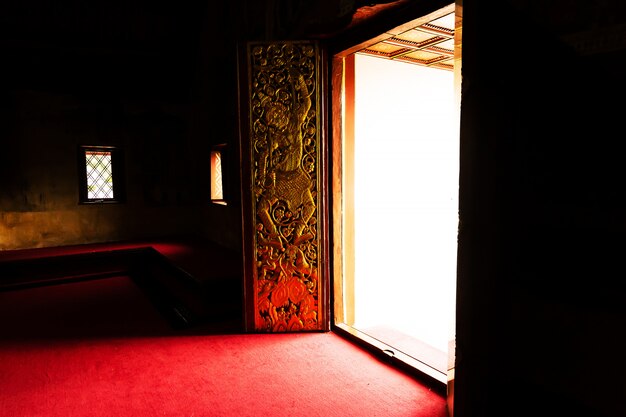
{"x": 99, "y": 348}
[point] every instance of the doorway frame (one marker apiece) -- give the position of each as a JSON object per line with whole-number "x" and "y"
{"x": 340, "y": 57}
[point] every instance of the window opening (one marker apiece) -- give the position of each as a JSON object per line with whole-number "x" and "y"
{"x": 99, "y": 174}
{"x": 217, "y": 174}
{"x": 101, "y": 177}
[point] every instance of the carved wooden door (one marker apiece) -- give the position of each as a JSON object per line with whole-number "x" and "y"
{"x": 283, "y": 191}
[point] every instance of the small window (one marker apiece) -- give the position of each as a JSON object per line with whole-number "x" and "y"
{"x": 218, "y": 153}
{"x": 100, "y": 174}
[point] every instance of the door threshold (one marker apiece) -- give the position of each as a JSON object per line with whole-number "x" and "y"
{"x": 430, "y": 375}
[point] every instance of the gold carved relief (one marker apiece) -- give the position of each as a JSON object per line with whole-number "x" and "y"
{"x": 284, "y": 138}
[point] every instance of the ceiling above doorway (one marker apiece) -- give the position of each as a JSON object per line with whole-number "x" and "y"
{"x": 429, "y": 44}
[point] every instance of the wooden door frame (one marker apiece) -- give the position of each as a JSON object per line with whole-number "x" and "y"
{"x": 342, "y": 64}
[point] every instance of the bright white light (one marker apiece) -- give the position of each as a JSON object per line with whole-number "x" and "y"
{"x": 406, "y": 205}
{"x": 217, "y": 191}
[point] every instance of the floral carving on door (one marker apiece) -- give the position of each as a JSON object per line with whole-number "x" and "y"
{"x": 284, "y": 156}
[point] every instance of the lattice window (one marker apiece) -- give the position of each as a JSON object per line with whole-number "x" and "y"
{"x": 99, "y": 168}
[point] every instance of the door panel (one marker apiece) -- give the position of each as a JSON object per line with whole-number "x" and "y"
{"x": 282, "y": 188}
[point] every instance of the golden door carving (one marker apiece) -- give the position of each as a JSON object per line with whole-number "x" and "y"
{"x": 284, "y": 146}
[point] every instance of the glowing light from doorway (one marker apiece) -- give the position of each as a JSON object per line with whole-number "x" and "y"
{"x": 405, "y": 243}
{"x": 217, "y": 186}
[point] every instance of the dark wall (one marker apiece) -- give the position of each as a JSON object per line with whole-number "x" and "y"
{"x": 156, "y": 80}
{"x": 39, "y": 198}
{"x": 541, "y": 290}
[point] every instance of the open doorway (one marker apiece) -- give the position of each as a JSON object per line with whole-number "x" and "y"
{"x": 395, "y": 212}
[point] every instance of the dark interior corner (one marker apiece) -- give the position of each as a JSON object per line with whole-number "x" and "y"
{"x": 541, "y": 283}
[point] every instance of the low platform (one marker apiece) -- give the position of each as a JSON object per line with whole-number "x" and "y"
{"x": 190, "y": 279}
